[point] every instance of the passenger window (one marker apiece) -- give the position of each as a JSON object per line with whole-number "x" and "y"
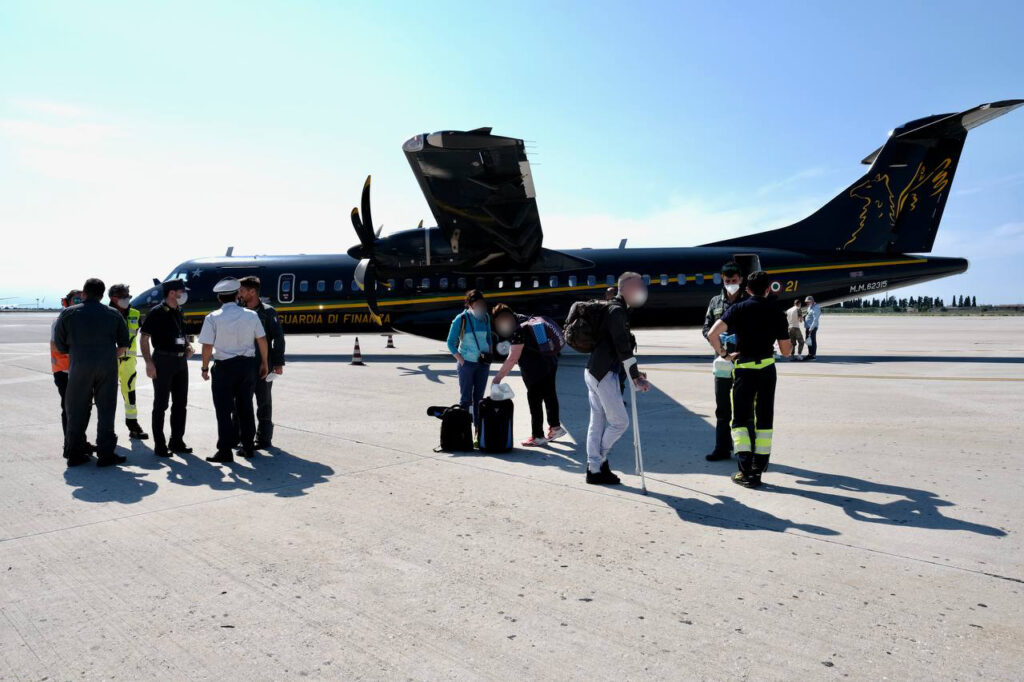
{"x": 443, "y": 283}
{"x": 610, "y": 280}
{"x": 681, "y": 279}
{"x": 391, "y": 284}
{"x": 717, "y": 278}
{"x": 304, "y": 286}
{"x": 338, "y": 285}
{"x": 572, "y": 280}
{"x": 481, "y": 283}
{"x": 425, "y": 283}
{"x": 354, "y": 286}
{"x": 664, "y": 280}
{"x": 321, "y": 286}
{"x": 408, "y": 284}
{"x": 500, "y": 283}
{"x": 591, "y": 280}
{"x": 647, "y": 280}
{"x": 699, "y": 279}
{"x": 536, "y": 283}
{"x": 461, "y": 283}
{"x": 553, "y": 281}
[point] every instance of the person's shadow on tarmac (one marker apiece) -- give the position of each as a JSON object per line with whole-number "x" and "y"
{"x": 109, "y": 484}
{"x": 275, "y": 471}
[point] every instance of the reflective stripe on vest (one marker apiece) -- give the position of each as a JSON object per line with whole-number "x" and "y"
{"x": 757, "y": 364}
{"x": 763, "y": 442}
{"x": 741, "y": 439}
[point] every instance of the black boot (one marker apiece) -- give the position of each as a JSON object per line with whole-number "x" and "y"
{"x": 135, "y": 431}
{"x": 746, "y": 465}
{"x": 179, "y": 447}
{"x": 603, "y": 477}
{"x": 723, "y": 442}
{"x": 759, "y": 466}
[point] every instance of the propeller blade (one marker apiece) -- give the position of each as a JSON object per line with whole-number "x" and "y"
{"x": 364, "y": 234}
{"x": 365, "y": 205}
{"x": 370, "y": 289}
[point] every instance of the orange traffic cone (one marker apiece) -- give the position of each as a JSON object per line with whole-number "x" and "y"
{"x": 357, "y": 356}
{"x": 391, "y": 342}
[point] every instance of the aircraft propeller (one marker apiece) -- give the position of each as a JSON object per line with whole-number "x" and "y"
{"x": 366, "y": 271}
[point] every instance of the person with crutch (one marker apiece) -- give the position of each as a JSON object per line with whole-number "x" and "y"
{"x": 612, "y": 353}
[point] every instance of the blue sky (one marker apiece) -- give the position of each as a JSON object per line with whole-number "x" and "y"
{"x": 135, "y": 135}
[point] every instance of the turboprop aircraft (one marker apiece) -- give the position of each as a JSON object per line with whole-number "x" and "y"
{"x": 869, "y": 239}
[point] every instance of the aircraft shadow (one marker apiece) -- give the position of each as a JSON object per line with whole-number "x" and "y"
{"x": 275, "y": 471}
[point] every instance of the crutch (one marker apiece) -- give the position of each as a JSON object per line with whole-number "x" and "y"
{"x": 637, "y": 449}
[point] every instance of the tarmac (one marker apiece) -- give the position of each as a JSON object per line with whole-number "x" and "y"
{"x": 886, "y": 543}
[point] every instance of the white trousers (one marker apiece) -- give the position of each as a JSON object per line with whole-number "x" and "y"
{"x": 608, "y": 417}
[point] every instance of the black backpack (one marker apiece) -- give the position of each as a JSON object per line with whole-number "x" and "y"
{"x": 456, "y": 428}
{"x": 496, "y": 425}
{"x": 584, "y": 324}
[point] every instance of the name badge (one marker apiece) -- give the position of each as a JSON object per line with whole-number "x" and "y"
{"x": 180, "y": 340}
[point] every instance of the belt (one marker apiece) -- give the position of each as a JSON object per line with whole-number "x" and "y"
{"x": 237, "y": 357}
{"x": 755, "y": 364}
{"x": 176, "y": 354}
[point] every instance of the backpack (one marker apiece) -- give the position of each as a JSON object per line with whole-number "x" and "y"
{"x": 496, "y": 425}
{"x": 548, "y": 335}
{"x": 456, "y": 429}
{"x": 584, "y": 324}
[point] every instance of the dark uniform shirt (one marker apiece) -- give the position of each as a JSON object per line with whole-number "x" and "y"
{"x": 275, "y": 335}
{"x": 91, "y": 332}
{"x": 758, "y": 323}
{"x": 166, "y": 329}
{"x": 717, "y": 307}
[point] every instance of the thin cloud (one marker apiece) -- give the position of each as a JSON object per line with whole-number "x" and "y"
{"x": 799, "y": 176}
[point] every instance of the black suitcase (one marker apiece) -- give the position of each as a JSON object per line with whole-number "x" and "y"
{"x": 496, "y": 425}
{"x": 456, "y": 428}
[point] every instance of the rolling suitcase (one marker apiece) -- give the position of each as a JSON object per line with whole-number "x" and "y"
{"x": 496, "y": 425}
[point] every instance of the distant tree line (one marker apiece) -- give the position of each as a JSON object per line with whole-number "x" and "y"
{"x": 911, "y": 303}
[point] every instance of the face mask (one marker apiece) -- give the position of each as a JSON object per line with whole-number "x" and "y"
{"x": 731, "y": 289}
{"x": 122, "y": 303}
{"x": 638, "y": 298}
{"x": 183, "y": 298}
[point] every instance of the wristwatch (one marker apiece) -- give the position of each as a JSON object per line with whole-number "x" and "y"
{"x": 206, "y": 369}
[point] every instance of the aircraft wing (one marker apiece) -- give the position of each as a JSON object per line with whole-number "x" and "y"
{"x": 479, "y": 187}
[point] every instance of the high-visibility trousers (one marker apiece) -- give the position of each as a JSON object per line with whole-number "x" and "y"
{"x": 753, "y": 406}
{"x": 127, "y": 376}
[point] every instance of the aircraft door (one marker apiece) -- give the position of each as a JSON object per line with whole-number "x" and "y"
{"x": 748, "y": 262}
{"x": 286, "y": 288}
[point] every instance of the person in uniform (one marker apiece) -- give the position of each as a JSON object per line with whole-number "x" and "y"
{"x": 167, "y": 366}
{"x": 230, "y": 336}
{"x": 93, "y": 336}
{"x": 120, "y": 300}
{"x": 758, "y": 324}
{"x": 249, "y": 295}
{"x": 59, "y": 363}
{"x": 732, "y": 293}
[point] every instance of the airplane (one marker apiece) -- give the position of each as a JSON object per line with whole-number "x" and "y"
{"x": 869, "y": 239}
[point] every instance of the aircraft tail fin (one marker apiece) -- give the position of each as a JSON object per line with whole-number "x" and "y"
{"x": 897, "y": 205}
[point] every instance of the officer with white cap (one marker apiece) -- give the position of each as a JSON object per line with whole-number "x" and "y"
{"x": 230, "y": 336}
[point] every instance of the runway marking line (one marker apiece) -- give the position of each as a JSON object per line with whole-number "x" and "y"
{"x": 898, "y": 377}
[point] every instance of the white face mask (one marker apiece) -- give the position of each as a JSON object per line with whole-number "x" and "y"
{"x": 731, "y": 289}
{"x": 183, "y": 298}
{"x": 637, "y": 298}
{"x": 122, "y": 303}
